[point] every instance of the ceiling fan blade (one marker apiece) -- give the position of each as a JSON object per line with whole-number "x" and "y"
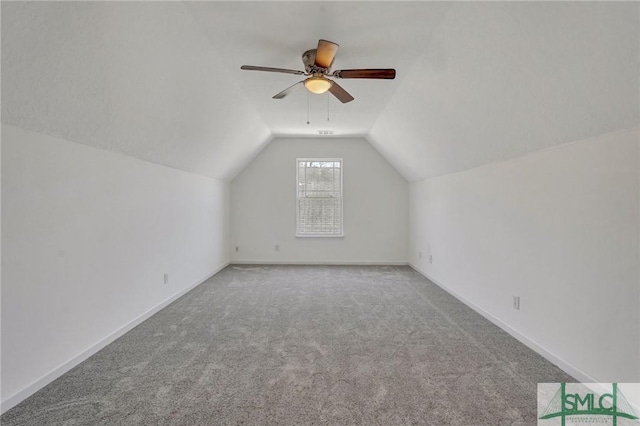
{"x": 286, "y": 91}
{"x": 383, "y": 73}
{"x": 325, "y": 53}
{"x": 286, "y": 71}
{"x": 342, "y": 95}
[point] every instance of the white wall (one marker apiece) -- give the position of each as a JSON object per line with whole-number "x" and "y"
{"x": 559, "y": 228}
{"x": 87, "y": 235}
{"x": 263, "y": 206}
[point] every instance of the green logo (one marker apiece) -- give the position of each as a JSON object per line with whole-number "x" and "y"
{"x": 584, "y": 406}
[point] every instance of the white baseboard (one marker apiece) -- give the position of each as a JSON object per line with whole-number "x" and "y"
{"x": 315, "y": 262}
{"x": 565, "y": 366}
{"x": 49, "y": 377}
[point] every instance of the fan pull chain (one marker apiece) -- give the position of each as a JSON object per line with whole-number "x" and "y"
{"x": 307, "y": 107}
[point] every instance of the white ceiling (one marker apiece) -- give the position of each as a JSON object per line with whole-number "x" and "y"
{"x": 371, "y": 35}
{"x": 476, "y": 82}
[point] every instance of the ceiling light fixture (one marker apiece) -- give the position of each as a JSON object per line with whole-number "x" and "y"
{"x": 317, "y": 84}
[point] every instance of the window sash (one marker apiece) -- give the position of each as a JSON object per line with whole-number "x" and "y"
{"x": 319, "y": 203}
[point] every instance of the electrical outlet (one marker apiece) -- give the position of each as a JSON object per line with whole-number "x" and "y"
{"x": 277, "y": 247}
{"x": 166, "y": 278}
{"x": 430, "y": 259}
{"x": 516, "y": 302}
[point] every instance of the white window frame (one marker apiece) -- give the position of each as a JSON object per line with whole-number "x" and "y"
{"x": 297, "y": 183}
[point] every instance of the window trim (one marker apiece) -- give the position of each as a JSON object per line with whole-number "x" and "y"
{"x": 311, "y": 159}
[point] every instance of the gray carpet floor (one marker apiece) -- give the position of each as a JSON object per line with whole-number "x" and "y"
{"x": 303, "y": 345}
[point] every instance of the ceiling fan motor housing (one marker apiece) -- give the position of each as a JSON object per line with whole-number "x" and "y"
{"x": 309, "y": 61}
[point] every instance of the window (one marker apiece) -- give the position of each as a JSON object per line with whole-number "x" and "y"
{"x": 319, "y": 197}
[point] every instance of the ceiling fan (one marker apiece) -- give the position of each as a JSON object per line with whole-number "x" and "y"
{"x": 317, "y": 64}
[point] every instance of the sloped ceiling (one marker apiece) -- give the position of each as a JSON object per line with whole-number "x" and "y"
{"x": 501, "y": 79}
{"x": 138, "y": 78}
{"x": 476, "y": 82}
{"x": 275, "y": 34}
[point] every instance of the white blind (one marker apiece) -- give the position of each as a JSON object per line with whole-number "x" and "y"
{"x": 319, "y": 199}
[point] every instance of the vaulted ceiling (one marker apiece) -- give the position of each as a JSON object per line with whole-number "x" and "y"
{"x": 477, "y": 82}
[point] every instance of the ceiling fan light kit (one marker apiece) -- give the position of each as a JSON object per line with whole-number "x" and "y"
{"x": 318, "y": 84}
{"x": 317, "y": 64}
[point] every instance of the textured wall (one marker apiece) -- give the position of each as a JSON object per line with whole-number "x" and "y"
{"x": 263, "y": 206}
{"x": 87, "y": 236}
{"x": 559, "y": 228}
